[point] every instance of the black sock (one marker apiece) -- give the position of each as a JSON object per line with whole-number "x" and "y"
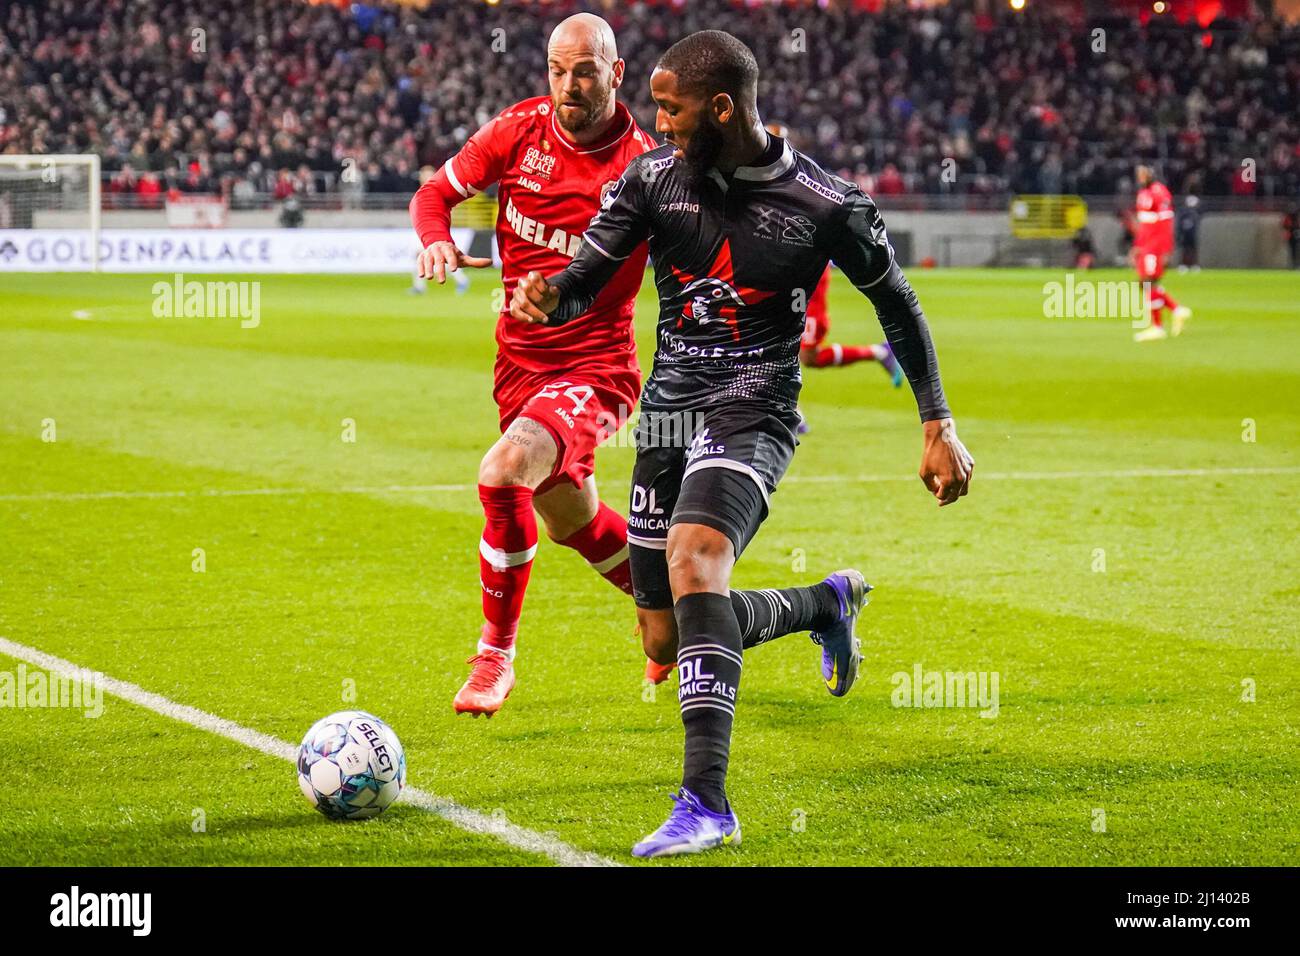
{"x": 771, "y": 613}
{"x": 708, "y": 662}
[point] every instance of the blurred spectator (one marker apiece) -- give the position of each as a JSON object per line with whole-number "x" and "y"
{"x": 890, "y": 181}
{"x": 291, "y": 216}
{"x": 149, "y": 189}
{"x": 1085, "y": 253}
{"x": 1127, "y": 228}
{"x": 123, "y": 183}
{"x": 1291, "y": 230}
{"x": 1188, "y": 227}
{"x": 284, "y": 185}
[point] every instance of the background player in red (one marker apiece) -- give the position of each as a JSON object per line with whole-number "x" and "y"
{"x": 815, "y": 353}
{"x": 559, "y": 391}
{"x": 1153, "y": 243}
{"x": 813, "y": 350}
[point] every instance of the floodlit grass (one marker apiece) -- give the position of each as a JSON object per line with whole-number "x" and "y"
{"x": 1125, "y": 614}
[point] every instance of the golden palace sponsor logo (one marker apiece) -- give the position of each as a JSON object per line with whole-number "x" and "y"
{"x": 540, "y": 234}
{"x": 538, "y": 163}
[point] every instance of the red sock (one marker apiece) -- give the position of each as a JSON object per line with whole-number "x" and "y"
{"x": 505, "y": 560}
{"x": 1166, "y": 299}
{"x": 604, "y": 544}
{"x": 837, "y": 354}
{"x": 1156, "y": 305}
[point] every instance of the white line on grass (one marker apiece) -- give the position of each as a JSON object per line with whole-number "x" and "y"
{"x": 472, "y": 821}
{"x": 1063, "y": 475}
{"x": 797, "y": 479}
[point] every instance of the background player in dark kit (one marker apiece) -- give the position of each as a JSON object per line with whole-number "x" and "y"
{"x": 741, "y": 227}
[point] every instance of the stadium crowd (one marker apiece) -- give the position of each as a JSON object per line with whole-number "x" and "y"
{"x": 281, "y": 97}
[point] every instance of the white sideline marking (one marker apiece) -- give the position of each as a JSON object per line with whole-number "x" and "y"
{"x": 1065, "y": 475}
{"x": 796, "y": 479}
{"x": 472, "y": 821}
{"x": 235, "y": 492}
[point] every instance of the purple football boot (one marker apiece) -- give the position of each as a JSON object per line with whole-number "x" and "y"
{"x": 891, "y": 366}
{"x": 841, "y": 649}
{"x": 690, "y": 828}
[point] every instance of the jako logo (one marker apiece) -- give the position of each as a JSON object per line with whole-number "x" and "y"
{"x": 103, "y": 909}
{"x": 208, "y": 300}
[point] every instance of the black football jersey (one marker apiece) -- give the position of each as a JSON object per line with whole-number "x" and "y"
{"x": 736, "y": 259}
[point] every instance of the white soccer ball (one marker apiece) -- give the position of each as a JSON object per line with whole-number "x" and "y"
{"x": 351, "y": 765}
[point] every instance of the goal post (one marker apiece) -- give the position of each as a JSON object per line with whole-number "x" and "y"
{"x": 54, "y": 191}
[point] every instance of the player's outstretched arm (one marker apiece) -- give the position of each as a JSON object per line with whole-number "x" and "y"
{"x": 439, "y": 258}
{"x": 566, "y": 296}
{"x": 867, "y": 259}
{"x": 946, "y": 465}
{"x": 430, "y": 210}
{"x": 534, "y": 299}
{"x": 619, "y": 227}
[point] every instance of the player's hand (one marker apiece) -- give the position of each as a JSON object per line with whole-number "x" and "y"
{"x": 946, "y": 465}
{"x": 439, "y": 258}
{"x": 534, "y": 299}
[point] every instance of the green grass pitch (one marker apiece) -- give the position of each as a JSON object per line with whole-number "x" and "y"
{"x": 1127, "y": 563}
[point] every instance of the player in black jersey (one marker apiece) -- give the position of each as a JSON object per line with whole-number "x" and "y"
{"x": 740, "y": 229}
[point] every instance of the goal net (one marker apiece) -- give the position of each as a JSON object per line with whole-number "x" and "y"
{"x": 58, "y": 195}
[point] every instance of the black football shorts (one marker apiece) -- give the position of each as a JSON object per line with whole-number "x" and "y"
{"x": 717, "y": 467}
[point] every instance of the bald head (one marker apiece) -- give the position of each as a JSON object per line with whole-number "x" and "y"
{"x": 584, "y": 33}
{"x": 584, "y": 69}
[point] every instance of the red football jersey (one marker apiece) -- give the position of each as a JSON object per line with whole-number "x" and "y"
{"x": 817, "y": 320}
{"x": 550, "y": 190}
{"x": 817, "y": 304}
{"x": 1155, "y": 220}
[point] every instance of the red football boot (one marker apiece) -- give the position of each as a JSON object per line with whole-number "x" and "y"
{"x": 489, "y": 684}
{"x": 657, "y": 673}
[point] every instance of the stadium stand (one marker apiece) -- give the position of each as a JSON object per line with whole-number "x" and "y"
{"x": 255, "y": 98}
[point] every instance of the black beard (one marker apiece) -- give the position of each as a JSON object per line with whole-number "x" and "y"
{"x": 701, "y": 153}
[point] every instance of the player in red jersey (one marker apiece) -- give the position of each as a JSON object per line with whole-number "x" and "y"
{"x": 1152, "y": 244}
{"x": 561, "y": 390}
{"x": 815, "y": 353}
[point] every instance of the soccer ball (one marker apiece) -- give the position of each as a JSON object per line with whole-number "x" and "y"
{"x": 351, "y": 765}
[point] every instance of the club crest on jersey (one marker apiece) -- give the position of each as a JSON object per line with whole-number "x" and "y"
{"x": 798, "y": 231}
{"x": 537, "y": 163}
{"x": 707, "y": 298}
{"x": 715, "y": 297}
{"x": 608, "y": 193}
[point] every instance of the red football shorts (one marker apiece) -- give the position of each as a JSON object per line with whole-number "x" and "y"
{"x": 818, "y": 321}
{"x": 815, "y": 328}
{"x": 579, "y": 407}
{"x": 1150, "y": 265}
